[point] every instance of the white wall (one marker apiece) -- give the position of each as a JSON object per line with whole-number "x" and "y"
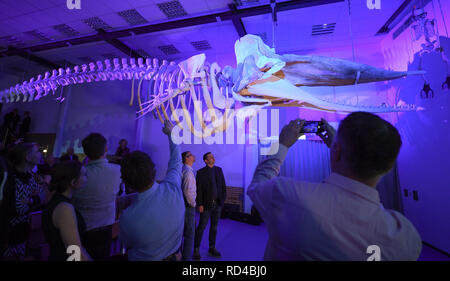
{"x": 100, "y": 107}
{"x": 230, "y": 157}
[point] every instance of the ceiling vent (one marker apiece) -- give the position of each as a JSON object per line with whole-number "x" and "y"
{"x": 66, "y": 30}
{"x": 172, "y": 9}
{"x": 132, "y": 17}
{"x": 96, "y": 23}
{"x": 323, "y": 29}
{"x": 201, "y": 45}
{"x": 169, "y": 49}
{"x": 39, "y": 35}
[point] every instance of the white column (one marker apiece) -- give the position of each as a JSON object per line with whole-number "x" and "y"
{"x": 62, "y": 117}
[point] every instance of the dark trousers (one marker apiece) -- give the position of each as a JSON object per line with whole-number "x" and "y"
{"x": 214, "y": 214}
{"x": 97, "y": 243}
{"x": 189, "y": 233}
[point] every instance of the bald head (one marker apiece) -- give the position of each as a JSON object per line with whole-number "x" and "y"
{"x": 368, "y": 145}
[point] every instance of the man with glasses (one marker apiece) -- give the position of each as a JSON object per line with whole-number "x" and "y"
{"x": 211, "y": 193}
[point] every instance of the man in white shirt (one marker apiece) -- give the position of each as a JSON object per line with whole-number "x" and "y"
{"x": 340, "y": 218}
{"x": 189, "y": 187}
{"x": 97, "y": 200}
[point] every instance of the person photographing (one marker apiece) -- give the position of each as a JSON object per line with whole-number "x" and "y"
{"x": 340, "y": 217}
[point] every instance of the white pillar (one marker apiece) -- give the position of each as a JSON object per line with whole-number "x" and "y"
{"x": 62, "y": 118}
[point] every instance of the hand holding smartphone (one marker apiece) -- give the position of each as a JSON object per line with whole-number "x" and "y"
{"x": 312, "y": 127}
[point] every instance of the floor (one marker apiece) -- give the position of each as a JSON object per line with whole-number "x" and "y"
{"x": 238, "y": 241}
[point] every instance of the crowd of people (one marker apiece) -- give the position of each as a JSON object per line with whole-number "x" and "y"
{"x": 31, "y": 182}
{"x": 336, "y": 219}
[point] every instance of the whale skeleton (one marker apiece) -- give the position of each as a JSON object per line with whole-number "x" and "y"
{"x": 262, "y": 78}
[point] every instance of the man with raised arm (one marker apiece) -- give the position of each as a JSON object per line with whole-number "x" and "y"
{"x": 151, "y": 229}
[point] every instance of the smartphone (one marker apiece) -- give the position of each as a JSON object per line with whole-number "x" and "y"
{"x": 312, "y": 127}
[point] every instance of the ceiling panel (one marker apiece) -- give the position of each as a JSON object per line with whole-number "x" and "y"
{"x": 43, "y": 4}
{"x": 194, "y": 7}
{"x": 18, "y": 8}
{"x": 45, "y": 19}
{"x": 65, "y": 15}
{"x": 114, "y": 20}
{"x": 73, "y": 53}
{"x": 151, "y": 13}
{"x": 293, "y": 32}
{"x": 140, "y": 3}
{"x": 18, "y": 26}
{"x": 143, "y": 42}
{"x": 81, "y": 27}
{"x": 217, "y": 4}
{"x": 367, "y": 22}
{"x": 116, "y": 6}
{"x": 221, "y": 36}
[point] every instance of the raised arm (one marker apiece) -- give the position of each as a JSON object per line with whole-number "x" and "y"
{"x": 173, "y": 175}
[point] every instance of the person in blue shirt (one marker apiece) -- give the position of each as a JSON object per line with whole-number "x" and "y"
{"x": 151, "y": 229}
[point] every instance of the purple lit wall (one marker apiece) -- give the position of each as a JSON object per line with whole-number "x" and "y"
{"x": 424, "y": 158}
{"x": 44, "y": 110}
{"x": 103, "y": 108}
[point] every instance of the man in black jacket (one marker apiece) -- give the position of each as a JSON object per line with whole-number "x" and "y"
{"x": 211, "y": 193}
